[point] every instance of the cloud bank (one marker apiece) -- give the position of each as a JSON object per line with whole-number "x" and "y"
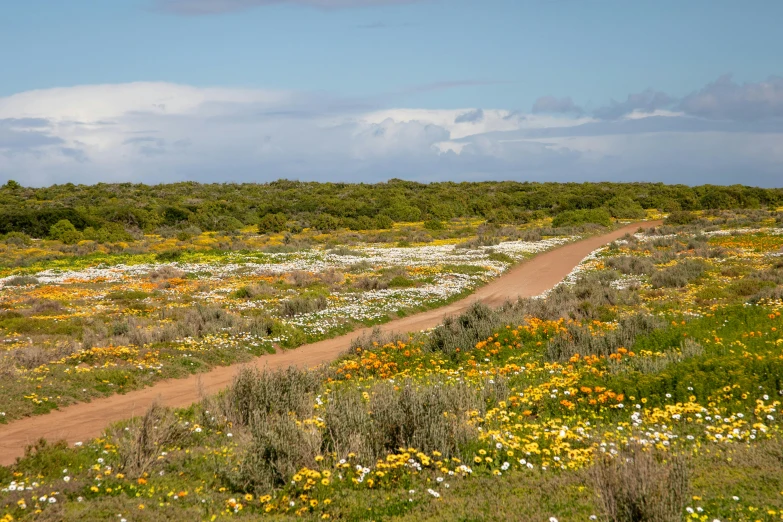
{"x": 161, "y": 132}
{"x": 556, "y": 105}
{"x": 725, "y": 100}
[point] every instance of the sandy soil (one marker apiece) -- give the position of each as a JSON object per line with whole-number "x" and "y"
{"x": 81, "y": 422}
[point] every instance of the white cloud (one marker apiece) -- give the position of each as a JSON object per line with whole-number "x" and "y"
{"x": 158, "y": 132}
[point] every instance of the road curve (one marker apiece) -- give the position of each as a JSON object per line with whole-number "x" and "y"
{"x": 83, "y": 421}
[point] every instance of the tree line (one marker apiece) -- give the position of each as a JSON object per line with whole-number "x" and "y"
{"x": 111, "y": 212}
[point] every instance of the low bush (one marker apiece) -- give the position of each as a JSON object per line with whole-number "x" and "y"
{"x": 579, "y": 339}
{"x": 169, "y": 256}
{"x": 680, "y": 217}
{"x": 139, "y": 446}
{"x": 465, "y": 330}
{"x": 370, "y": 283}
{"x": 631, "y": 265}
{"x": 166, "y": 272}
{"x": 640, "y": 485}
{"x": 267, "y": 393}
{"x": 18, "y": 239}
{"x": 302, "y": 305}
{"x": 679, "y": 275}
{"x": 500, "y": 257}
{"x": 21, "y": 281}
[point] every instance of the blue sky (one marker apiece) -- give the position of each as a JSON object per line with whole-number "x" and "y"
{"x": 395, "y": 70}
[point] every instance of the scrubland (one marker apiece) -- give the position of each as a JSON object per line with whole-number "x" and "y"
{"x": 646, "y": 386}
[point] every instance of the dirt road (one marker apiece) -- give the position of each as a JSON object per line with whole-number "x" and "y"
{"x": 83, "y": 421}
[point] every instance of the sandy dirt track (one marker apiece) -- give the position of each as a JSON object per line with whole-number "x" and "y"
{"x": 83, "y": 421}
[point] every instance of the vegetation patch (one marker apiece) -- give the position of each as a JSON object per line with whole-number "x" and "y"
{"x": 614, "y": 397}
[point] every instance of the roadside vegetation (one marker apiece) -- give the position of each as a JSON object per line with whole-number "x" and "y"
{"x": 92, "y": 325}
{"x": 646, "y": 387}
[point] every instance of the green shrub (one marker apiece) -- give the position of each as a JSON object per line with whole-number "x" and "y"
{"x": 17, "y": 239}
{"x": 325, "y": 223}
{"x": 243, "y": 292}
{"x": 383, "y": 222}
{"x": 429, "y": 417}
{"x": 624, "y": 207}
{"x": 169, "y": 256}
{"x": 464, "y": 330}
{"x": 272, "y": 223}
{"x": 127, "y": 295}
{"x": 277, "y": 450}
{"x": 434, "y": 224}
{"x": 575, "y": 218}
{"x": 401, "y": 282}
{"x": 108, "y": 233}
{"x": 747, "y": 287}
{"x": 64, "y": 231}
{"x": 265, "y": 393}
{"x": 366, "y": 283}
{"x": 680, "y": 217}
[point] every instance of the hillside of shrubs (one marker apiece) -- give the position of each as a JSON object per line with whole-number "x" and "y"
{"x": 119, "y": 212}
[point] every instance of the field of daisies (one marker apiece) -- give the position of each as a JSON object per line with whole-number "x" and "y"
{"x": 76, "y": 325}
{"x": 647, "y": 386}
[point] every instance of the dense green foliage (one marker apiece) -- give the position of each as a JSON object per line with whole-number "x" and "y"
{"x": 290, "y": 205}
{"x": 575, "y": 218}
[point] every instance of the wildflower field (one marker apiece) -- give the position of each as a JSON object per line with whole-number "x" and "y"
{"x": 76, "y": 325}
{"x": 647, "y": 386}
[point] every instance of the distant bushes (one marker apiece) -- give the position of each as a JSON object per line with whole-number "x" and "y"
{"x": 590, "y": 298}
{"x": 21, "y": 281}
{"x": 680, "y": 217}
{"x": 195, "y": 322}
{"x": 64, "y": 231}
{"x": 168, "y": 256}
{"x": 302, "y": 305}
{"x": 285, "y": 205}
{"x": 108, "y": 233}
{"x": 631, "y": 265}
{"x": 272, "y": 223}
{"x": 18, "y": 239}
{"x": 165, "y": 272}
{"x": 434, "y": 224}
{"x": 38, "y": 222}
{"x": 679, "y": 275}
{"x": 575, "y": 218}
{"x": 624, "y": 207}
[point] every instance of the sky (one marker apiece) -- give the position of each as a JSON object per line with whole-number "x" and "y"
{"x": 365, "y": 90}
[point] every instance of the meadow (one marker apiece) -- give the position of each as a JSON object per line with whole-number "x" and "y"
{"x": 647, "y": 386}
{"x": 88, "y": 320}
